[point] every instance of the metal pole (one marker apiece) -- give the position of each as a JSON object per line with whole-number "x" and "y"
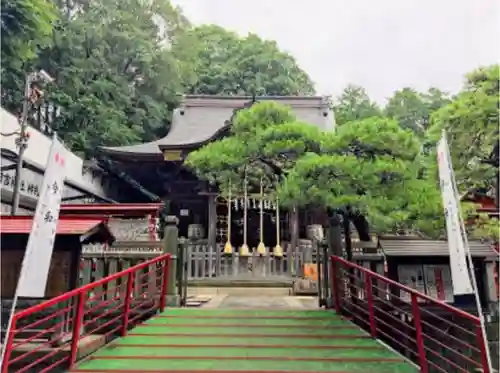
{"x": 22, "y": 145}
{"x": 17, "y": 187}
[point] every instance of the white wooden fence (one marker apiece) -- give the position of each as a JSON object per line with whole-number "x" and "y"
{"x": 206, "y": 262}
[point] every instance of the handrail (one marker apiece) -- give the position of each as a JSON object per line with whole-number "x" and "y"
{"x": 405, "y": 288}
{"x": 58, "y": 332}
{"x": 92, "y": 285}
{"x": 436, "y": 336}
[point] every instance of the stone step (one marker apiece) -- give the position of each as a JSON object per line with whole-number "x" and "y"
{"x": 238, "y": 291}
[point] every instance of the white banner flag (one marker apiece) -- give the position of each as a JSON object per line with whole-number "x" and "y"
{"x": 38, "y": 254}
{"x": 459, "y": 271}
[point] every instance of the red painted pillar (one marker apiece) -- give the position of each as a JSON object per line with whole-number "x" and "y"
{"x": 422, "y": 358}
{"x": 127, "y": 303}
{"x": 482, "y": 348}
{"x": 8, "y": 345}
{"x": 77, "y": 326}
{"x": 371, "y": 308}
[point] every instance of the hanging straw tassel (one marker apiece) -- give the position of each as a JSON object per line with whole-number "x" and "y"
{"x": 278, "y": 251}
{"x": 228, "y": 248}
{"x": 244, "y": 251}
{"x": 261, "y": 248}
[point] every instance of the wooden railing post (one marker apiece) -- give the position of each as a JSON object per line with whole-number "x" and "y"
{"x": 164, "y": 283}
{"x": 77, "y": 326}
{"x": 371, "y": 307}
{"x": 482, "y": 348}
{"x": 128, "y": 301}
{"x": 335, "y": 286}
{"x": 8, "y": 345}
{"x": 422, "y": 358}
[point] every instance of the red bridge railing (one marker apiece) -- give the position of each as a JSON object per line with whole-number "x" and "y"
{"x": 53, "y": 335}
{"x": 436, "y": 336}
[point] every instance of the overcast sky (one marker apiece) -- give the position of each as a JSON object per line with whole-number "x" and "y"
{"x": 382, "y": 45}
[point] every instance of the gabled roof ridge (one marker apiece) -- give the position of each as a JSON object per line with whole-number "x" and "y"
{"x": 210, "y": 116}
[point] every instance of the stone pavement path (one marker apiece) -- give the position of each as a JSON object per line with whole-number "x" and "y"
{"x": 264, "y": 302}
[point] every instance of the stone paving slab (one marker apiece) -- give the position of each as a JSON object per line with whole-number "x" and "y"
{"x": 258, "y": 302}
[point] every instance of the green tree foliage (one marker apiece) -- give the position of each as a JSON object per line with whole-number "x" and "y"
{"x": 412, "y": 109}
{"x": 484, "y": 227}
{"x": 479, "y": 224}
{"x": 120, "y": 67}
{"x": 26, "y": 25}
{"x": 225, "y": 63}
{"x": 368, "y": 167}
{"x": 435, "y": 99}
{"x": 471, "y": 121}
{"x": 248, "y": 150}
{"x": 116, "y": 82}
{"x": 355, "y": 104}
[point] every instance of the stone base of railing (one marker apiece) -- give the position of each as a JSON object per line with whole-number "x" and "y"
{"x": 173, "y": 301}
{"x": 226, "y": 282}
{"x": 304, "y": 286}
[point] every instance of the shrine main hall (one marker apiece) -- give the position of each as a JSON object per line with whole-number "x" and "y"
{"x": 155, "y": 171}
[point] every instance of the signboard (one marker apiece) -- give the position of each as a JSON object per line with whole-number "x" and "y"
{"x": 38, "y": 254}
{"x": 311, "y": 271}
{"x": 172, "y": 155}
{"x": 432, "y": 280}
{"x": 459, "y": 270}
{"x": 413, "y": 277}
{"x": 438, "y": 282}
{"x": 31, "y": 184}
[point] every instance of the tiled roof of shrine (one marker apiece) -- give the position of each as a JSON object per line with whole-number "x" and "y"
{"x": 200, "y": 119}
{"x": 403, "y": 246}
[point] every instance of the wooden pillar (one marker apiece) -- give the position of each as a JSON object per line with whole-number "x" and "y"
{"x": 212, "y": 232}
{"x": 294, "y": 228}
{"x": 491, "y": 284}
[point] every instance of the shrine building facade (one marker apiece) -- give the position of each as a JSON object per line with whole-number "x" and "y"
{"x": 157, "y": 173}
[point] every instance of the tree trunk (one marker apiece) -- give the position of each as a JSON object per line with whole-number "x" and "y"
{"x": 334, "y": 241}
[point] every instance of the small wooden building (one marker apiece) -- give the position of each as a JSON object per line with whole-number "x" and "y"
{"x": 127, "y": 221}
{"x": 425, "y": 265}
{"x": 135, "y": 227}
{"x": 72, "y": 233}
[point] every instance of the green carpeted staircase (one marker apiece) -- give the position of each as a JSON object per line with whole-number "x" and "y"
{"x": 218, "y": 340}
